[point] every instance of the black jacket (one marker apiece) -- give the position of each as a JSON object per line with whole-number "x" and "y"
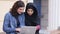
{"x": 32, "y": 20}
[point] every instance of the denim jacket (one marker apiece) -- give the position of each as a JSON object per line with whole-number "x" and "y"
{"x": 10, "y": 24}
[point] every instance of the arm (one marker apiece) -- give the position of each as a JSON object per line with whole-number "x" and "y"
{"x": 38, "y": 26}
{"x": 6, "y": 23}
{"x": 38, "y": 20}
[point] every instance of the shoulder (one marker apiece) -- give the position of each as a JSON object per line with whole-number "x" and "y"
{"x": 7, "y": 14}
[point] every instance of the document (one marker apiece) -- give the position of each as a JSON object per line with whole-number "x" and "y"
{"x": 28, "y": 30}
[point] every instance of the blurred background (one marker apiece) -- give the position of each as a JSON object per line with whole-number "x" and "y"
{"x": 5, "y": 6}
{"x": 41, "y": 5}
{"x": 48, "y": 10}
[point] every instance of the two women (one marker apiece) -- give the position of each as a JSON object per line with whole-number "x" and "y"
{"x": 15, "y": 19}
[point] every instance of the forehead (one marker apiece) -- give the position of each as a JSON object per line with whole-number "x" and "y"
{"x": 30, "y": 9}
{"x": 21, "y": 8}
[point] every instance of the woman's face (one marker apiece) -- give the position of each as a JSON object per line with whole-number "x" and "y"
{"x": 30, "y": 12}
{"x": 20, "y": 10}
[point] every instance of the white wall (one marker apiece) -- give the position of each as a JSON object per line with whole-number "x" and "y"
{"x": 58, "y": 12}
{"x": 54, "y": 17}
{"x": 4, "y": 8}
{"x": 30, "y": 1}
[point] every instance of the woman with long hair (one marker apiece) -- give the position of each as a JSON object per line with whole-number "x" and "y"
{"x": 14, "y": 19}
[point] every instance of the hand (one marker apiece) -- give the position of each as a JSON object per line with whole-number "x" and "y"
{"x": 18, "y": 29}
{"x": 37, "y": 27}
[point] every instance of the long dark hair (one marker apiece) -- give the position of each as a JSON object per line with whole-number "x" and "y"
{"x": 31, "y": 6}
{"x": 16, "y": 5}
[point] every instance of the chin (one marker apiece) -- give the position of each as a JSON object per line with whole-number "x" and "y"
{"x": 19, "y": 13}
{"x": 29, "y": 15}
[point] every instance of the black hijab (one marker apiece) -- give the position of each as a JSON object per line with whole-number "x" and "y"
{"x": 31, "y": 20}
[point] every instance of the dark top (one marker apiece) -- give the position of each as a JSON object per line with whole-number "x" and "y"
{"x": 32, "y": 20}
{"x": 18, "y": 23}
{"x": 29, "y": 21}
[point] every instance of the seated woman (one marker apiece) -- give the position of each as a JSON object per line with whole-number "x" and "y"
{"x": 31, "y": 17}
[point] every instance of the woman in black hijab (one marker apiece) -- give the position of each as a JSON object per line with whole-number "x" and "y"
{"x": 31, "y": 17}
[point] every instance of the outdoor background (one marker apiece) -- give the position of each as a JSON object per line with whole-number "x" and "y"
{"x": 48, "y": 10}
{"x": 42, "y": 6}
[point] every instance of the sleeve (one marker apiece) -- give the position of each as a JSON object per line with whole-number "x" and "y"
{"x": 38, "y": 20}
{"x": 38, "y": 26}
{"x": 6, "y": 27}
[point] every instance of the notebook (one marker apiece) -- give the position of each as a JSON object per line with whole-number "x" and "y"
{"x": 28, "y": 30}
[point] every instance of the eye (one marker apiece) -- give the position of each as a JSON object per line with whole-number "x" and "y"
{"x": 20, "y": 9}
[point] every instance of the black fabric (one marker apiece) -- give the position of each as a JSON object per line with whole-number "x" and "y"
{"x": 18, "y": 22}
{"x": 29, "y": 21}
{"x": 37, "y": 32}
{"x": 33, "y": 19}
